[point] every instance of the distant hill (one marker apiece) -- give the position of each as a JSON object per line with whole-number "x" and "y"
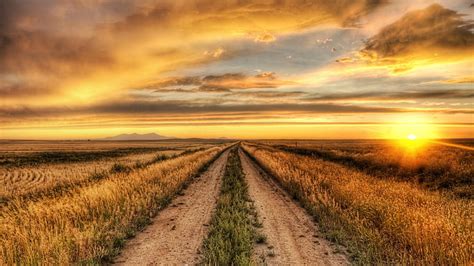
{"x": 135, "y": 136}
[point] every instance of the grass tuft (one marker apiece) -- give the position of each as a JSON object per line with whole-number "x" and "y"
{"x": 120, "y": 168}
{"x": 232, "y": 234}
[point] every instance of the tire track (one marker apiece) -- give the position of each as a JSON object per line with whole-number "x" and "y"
{"x": 177, "y": 233}
{"x": 292, "y": 237}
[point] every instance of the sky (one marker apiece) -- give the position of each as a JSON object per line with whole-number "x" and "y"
{"x": 75, "y": 69}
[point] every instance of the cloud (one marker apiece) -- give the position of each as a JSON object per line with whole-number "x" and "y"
{"x": 222, "y": 83}
{"x": 381, "y": 96}
{"x": 217, "y": 53}
{"x": 36, "y": 64}
{"x": 224, "y": 77}
{"x": 144, "y": 109}
{"x": 265, "y": 38}
{"x": 267, "y": 94}
{"x": 44, "y": 54}
{"x": 460, "y": 80}
{"x": 176, "y": 81}
{"x": 433, "y": 34}
{"x": 206, "y": 16}
{"x": 187, "y": 108}
{"x": 70, "y": 47}
{"x": 183, "y": 108}
{"x": 35, "y": 57}
{"x": 237, "y": 81}
{"x": 345, "y": 60}
{"x": 15, "y": 89}
{"x": 84, "y": 58}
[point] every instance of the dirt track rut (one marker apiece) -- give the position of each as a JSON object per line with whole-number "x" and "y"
{"x": 177, "y": 233}
{"x": 292, "y": 237}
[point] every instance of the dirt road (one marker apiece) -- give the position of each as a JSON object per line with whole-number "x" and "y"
{"x": 177, "y": 233}
{"x": 292, "y": 237}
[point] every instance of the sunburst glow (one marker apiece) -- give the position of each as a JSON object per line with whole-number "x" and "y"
{"x": 411, "y": 137}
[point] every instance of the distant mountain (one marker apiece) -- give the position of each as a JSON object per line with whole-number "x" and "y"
{"x": 135, "y": 136}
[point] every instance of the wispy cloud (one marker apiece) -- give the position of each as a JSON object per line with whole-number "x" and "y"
{"x": 219, "y": 83}
{"x": 459, "y": 80}
{"x": 139, "y": 109}
{"x": 284, "y": 95}
{"x": 264, "y": 37}
{"x": 382, "y": 96}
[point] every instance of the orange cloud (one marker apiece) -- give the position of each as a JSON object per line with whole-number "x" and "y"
{"x": 222, "y": 83}
{"x": 382, "y": 96}
{"x": 431, "y": 35}
{"x": 460, "y": 80}
{"x": 265, "y": 38}
{"x": 63, "y": 51}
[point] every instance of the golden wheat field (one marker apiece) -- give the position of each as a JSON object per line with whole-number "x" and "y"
{"x": 28, "y": 167}
{"x": 62, "y": 205}
{"x": 64, "y": 211}
{"x": 28, "y": 179}
{"x": 378, "y": 206}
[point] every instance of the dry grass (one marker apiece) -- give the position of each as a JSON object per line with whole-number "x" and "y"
{"x": 232, "y": 232}
{"x": 89, "y": 224}
{"x": 380, "y": 220}
{"x": 26, "y": 147}
{"x": 433, "y": 165}
{"x": 21, "y": 181}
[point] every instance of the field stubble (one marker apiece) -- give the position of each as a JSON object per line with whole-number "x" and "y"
{"x": 27, "y": 180}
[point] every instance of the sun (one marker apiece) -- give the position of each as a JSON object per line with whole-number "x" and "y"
{"x": 412, "y": 133}
{"x": 412, "y": 129}
{"x": 411, "y": 137}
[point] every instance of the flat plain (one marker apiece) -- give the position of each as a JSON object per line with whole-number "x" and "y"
{"x": 240, "y": 202}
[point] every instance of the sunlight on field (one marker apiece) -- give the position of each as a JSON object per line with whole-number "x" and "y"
{"x": 412, "y": 144}
{"x": 454, "y": 145}
{"x": 412, "y": 135}
{"x": 383, "y": 210}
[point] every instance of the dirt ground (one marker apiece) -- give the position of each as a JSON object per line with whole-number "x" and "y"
{"x": 177, "y": 233}
{"x": 292, "y": 237}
